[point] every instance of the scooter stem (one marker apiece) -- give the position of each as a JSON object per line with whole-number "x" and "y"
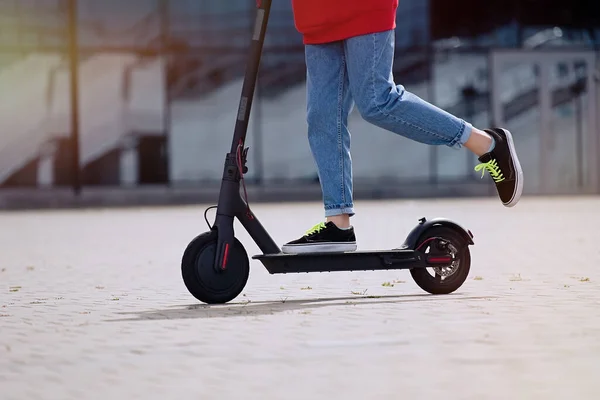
{"x": 251, "y": 75}
{"x": 228, "y": 206}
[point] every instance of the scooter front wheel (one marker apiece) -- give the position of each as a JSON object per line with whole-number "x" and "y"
{"x": 436, "y": 244}
{"x": 203, "y": 280}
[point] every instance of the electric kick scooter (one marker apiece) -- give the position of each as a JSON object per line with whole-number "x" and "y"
{"x": 215, "y": 265}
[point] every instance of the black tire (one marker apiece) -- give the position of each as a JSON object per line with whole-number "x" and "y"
{"x": 203, "y": 281}
{"x": 436, "y": 284}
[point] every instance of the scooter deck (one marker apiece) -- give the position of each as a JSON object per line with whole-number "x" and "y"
{"x": 282, "y": 263}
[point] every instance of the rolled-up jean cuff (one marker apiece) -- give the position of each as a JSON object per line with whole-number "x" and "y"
{"x": 333, "y": 211}
{"x": 463, "y": 135}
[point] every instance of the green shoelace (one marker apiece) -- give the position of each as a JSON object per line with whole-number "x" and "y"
{"x": 315, "y": 229}
{"x": 493, "y": 168}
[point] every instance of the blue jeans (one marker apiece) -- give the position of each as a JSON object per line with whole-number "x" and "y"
{"x": 359, "y": 70}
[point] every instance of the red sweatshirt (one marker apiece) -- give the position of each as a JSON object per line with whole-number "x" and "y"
{"x": 323, "y": 21}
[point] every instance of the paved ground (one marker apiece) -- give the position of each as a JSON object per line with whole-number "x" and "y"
{"x": 92, "y": 306}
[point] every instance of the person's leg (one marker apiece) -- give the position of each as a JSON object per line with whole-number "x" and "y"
{"x": 389, "y": 106}
{"x": 328, "y": 104}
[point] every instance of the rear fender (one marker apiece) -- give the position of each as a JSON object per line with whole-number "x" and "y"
{"x": 411, "y": 241}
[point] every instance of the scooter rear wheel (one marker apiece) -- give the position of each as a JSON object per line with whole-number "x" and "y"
{"x": 443, "y": 279}
{"x": 203, "y": 280}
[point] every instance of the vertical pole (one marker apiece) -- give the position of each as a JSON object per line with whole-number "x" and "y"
{"x": 74, "y": 74}
{"x": 165, "y": 32}
{"x": 593, "y": 123}
{"x": 579, "y": 132}
{"x": 469, "y": 96}
{"x": 433, "y": 150}
{"x": 431, "y": 57}
{"x": 546, "y": 129}
{"x": 518, "y": 10}
{"x": 495, "y": 68}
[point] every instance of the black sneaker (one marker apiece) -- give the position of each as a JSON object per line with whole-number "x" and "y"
{"x": 504, "y": 167}
{"x": 323, "y": 238}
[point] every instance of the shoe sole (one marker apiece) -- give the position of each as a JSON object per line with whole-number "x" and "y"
{"x": 517, "y": 166}
{"x": 319, "y": 248}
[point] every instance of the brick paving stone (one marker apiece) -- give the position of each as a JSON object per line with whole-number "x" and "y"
{"x": 92, "y": 306}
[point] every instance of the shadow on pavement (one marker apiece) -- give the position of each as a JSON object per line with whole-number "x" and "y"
{"x": 249, "y": 308}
